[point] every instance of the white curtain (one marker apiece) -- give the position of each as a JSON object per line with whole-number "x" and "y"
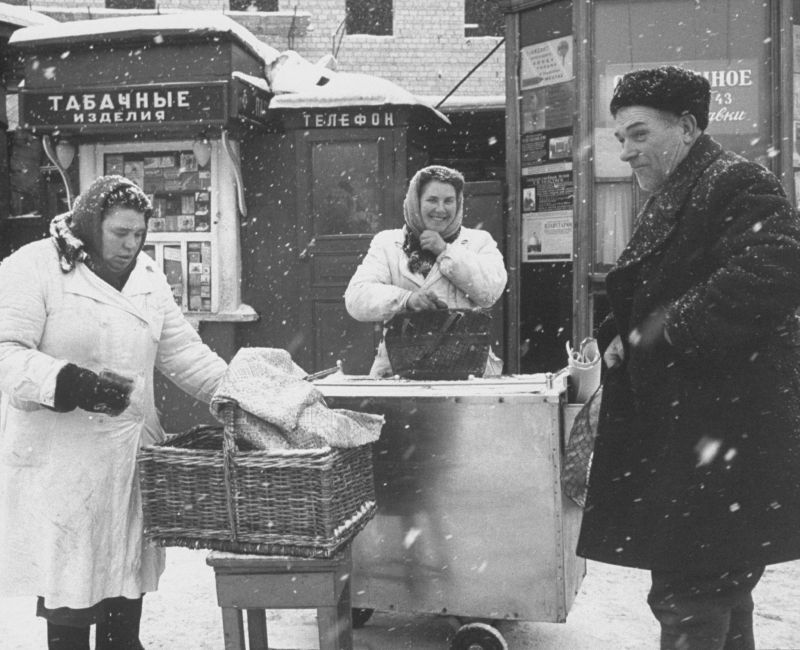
{"x": 614, "y": 217}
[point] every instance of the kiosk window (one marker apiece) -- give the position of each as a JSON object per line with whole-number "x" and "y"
{"x": 181, "y": 230}
{"x": 345, "y": 191}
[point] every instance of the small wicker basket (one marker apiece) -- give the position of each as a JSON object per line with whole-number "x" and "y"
{"x": 438, "y": 344}
{"x": 199, "y": 490}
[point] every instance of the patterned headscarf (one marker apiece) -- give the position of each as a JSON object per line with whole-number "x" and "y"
{"x": 419, "y": 260}
{"x": 77, "y": 234}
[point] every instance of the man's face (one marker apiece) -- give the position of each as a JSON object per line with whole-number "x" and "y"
{"x": 124, "y": 230}
{"x": 652, "y": 144}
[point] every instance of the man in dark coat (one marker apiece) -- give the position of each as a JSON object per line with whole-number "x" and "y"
{"x": 696, "y": 469}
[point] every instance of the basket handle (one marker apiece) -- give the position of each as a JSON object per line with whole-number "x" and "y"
{"x": 228, "y": 450}
{"x": 452, "y": 319}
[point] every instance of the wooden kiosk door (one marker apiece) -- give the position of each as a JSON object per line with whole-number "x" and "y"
{"x": 346, "y": 194}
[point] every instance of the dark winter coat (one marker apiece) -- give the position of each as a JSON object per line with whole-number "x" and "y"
{"x": 697, "y": 460}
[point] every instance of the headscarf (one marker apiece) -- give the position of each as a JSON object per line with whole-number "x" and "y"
{"x": 419, "y": 259}
{"x": 78, "y": 235}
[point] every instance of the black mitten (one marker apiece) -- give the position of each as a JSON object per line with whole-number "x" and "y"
{"x": 78, "y": 387}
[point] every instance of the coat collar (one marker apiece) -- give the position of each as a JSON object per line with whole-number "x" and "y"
{"x": 84, "y": 282}
{"x": 659, "y": 216}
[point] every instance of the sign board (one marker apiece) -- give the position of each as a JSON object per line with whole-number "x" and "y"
{"x": 735, "y": 88}
{"x": 129, "y": 105}
{"x": 341, "y": 118}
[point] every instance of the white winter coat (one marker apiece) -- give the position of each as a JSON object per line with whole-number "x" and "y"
{"x": 469, "y": 273}
{"x": 70, "y": 510}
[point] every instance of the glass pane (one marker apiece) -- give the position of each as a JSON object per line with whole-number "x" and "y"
{"x": 346, "y": 189}
{"x": 725, "y": 40}
{"x": 614, "y": 218}
{"x": 173, "y": 269}
{"x": 198, "y": 265}
{"x": 178, "y": 187}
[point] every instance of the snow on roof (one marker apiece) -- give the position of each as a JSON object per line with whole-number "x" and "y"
{"x": 150, "y": 26}
{"x": 22, "y": 16}
{"x": 465, "y": 103}
{"x": 257, "y": 82}
{"x": 346, "y": 89}
{"x": 296, "y": 82}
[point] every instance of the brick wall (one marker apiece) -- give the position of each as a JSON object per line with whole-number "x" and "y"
{"x": 427, "y": 53}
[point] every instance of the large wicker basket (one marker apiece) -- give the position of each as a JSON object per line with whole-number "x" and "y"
{"x": 199, "y": 490}
{"x": 438, "y": 344}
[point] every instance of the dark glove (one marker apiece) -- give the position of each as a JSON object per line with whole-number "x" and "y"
{"x": 78, "y": 387}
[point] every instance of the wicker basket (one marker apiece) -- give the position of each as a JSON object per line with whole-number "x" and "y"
{"x": 438, "y": 344}
{"x": 200, "y": 491}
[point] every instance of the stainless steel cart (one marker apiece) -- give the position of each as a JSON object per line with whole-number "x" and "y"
{"x": 471, "y": 520}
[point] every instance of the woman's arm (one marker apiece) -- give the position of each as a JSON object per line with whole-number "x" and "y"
{"x": 476, "y": 269}
{"x": 182, "y": 356}
{"x": 371, "y": 294}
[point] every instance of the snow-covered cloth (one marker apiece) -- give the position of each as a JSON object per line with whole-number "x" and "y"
{"x": 70, "y": 507}
{"x": 696, "y": 460}
{"x": 267, "y": 384}
{"x": 469, "y": 273}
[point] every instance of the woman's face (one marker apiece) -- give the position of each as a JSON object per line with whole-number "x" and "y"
{"x": 124, "y": 230}
{"x": 438, "y": 205}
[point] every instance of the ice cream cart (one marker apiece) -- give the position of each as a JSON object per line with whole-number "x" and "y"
{"x": 471, "y": 519}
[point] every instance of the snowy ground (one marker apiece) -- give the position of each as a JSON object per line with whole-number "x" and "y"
{"x": 609, "y": 614}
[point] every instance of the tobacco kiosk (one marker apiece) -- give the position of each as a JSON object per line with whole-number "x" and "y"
{"x": 164, "y": 107}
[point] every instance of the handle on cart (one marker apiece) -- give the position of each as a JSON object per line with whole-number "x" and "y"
{"x": 324, "y": 373}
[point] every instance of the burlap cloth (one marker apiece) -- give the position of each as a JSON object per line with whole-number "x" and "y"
{"x": 269, "y": 386}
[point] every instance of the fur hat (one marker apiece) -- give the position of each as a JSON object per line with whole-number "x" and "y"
{"x": 667, "y": 88}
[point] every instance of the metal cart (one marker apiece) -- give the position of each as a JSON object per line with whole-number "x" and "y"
{"x": 471, "y": 520}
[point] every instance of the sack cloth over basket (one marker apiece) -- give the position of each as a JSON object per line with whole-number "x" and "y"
{"x": 199, "y": 490}
{"x": 438, "y": 344}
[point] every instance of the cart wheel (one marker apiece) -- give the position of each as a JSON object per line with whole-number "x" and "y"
{"x": 361, "y": 616}
{"x": 478, "y": 636}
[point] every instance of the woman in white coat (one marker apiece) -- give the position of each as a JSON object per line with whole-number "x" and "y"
{"x": 86, "y": 301}
{"x": 432, "y": 262}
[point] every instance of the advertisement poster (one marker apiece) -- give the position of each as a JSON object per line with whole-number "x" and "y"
{"x": 549, "y": 189}
{"x": 547, "y": 237}
{"x": 537, "y": 148}
{"x": 551, "y": 107}
{"x": 546, "y": 63}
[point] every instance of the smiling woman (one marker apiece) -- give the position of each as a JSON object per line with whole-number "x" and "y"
{"x": 433, "y": 262}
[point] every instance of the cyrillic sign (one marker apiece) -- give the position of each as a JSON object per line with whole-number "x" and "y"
{"x": 342, "y": 119}
{"x": 130, "y": 105}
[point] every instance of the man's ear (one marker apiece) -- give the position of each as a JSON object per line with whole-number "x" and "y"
{"x": 689, "y": 129}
